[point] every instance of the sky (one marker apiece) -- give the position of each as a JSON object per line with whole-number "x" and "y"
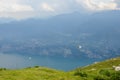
{"x": 23, "y": 9}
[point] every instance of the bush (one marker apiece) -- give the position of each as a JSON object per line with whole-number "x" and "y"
{"x": 36, "y": 66}
{"x": 1, "y": 69}
{"x": 80, "y": 73}
{"x": 105, "y": 72}
{"x": 115, "y": 76}
{"x": 99, "y": 78}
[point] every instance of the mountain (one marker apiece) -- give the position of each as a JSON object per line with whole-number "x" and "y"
{"x": 5, "y": 20}
{"x": 98, "y": 71}
{"x": 76, "y": 36}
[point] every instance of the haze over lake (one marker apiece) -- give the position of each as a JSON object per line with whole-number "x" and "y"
{"x": 61, "y": 63}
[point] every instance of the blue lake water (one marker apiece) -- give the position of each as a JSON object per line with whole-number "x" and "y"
{"x": 61, "y": 63}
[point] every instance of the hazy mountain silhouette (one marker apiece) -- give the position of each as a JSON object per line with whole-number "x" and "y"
{"x": 97, "y": 33}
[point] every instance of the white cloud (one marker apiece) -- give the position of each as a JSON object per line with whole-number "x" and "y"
{"x": 118, "y": 3}
{"x": 22, "y": 9}
{"x": 14, "y": 9}
{"x": 47, "y": 7}
{"x": 14, "y": 6}
{"x": 105, "y": 6}
{"x": 96, "y": 5}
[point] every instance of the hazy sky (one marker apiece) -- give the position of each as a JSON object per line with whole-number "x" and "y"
{"x": 22, "y": 9}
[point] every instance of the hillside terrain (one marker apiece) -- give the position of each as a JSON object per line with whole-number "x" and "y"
{"x": 98, "y": 71}
{"x": 63, "y": 34}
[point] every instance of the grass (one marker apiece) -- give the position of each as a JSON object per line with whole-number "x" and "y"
{"x": 98, "y": 71}
{"x": 39, "y": 73}
{"x": 102, "y": 70}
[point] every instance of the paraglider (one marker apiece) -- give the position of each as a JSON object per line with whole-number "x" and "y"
{"x": 79, "y": 46}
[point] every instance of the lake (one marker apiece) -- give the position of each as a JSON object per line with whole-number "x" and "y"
{"x": 15, "y": 61}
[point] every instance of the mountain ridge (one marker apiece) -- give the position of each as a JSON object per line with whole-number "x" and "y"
{"x": 84, "y": 37}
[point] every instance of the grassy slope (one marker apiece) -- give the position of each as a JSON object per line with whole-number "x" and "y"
{"x": 42, "y": 73}
{"x": 105, "y": 64}
{"x": 94, "y": 69}
{"x": 39, "y": 73}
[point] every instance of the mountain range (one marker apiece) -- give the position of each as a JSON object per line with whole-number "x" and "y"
{"x": 75, "y": 35}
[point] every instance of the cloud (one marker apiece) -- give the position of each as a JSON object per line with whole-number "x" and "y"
{"x": 22, "y": 9}
{"x": 14, "y": 6}
{"x": 118, "y": 3}
{"x": 47, "y": 7}
{"x": 14, "y": 9}
{"x": 95, "y": 5}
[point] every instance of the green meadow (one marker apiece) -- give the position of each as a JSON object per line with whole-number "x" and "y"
{"x": 97, "y": 71}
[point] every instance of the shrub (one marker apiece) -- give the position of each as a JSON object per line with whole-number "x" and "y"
{"x": 105, "y": 72}
{"x": 99, "y": 78}
{"x": 1, "y": 69}
{"x": 80, "y": 73}
{"x": 36, "y": 66}
{"x": 115, "y": 76}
